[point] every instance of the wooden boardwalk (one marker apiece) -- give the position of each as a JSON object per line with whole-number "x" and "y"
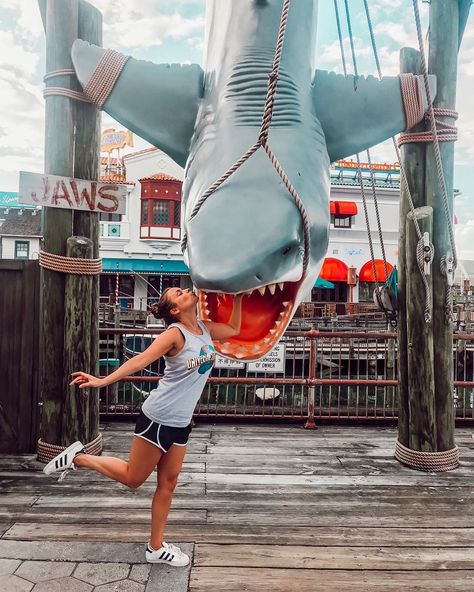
{"x": 272, "y": 508}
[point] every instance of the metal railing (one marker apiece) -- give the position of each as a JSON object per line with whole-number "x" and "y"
{"x": 316, "y": 374}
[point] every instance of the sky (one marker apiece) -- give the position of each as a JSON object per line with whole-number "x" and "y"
{"x": 173, "y": 31}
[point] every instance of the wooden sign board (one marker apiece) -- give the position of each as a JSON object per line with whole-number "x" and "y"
{"x": 72, "y": 194}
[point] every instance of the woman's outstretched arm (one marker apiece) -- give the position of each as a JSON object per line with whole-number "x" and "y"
{"x": 160, "y": 346}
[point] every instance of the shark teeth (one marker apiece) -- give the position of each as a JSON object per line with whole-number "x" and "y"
{"x": 272, "y": 288}
{"x": 262, "y": 290}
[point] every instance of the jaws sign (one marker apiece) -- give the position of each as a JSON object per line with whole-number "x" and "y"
{"x": 72, "y": 194}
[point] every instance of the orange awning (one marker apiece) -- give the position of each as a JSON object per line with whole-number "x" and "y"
{"x": 366, "y": 273}
{"x": 334, "y": 270}
{"x": 348, "y": 208}
{"x": 343, "y": 208}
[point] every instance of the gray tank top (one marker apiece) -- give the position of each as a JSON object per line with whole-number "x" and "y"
{"x": 184, "y": 378}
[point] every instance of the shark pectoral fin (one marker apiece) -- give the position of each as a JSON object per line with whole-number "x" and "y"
{"x": 357, "y": 112}
{"x": 158, "y": 102}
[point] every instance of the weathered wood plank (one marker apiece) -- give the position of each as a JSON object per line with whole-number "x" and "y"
{"x": 345, "y": 558}
{"x": 328, "y": 516}
{"x": 4, "y": 527}
{"x": 267, "y": 534}
{"x": 213, "y": 579}
{"x": 91, "y": 515}
{"x": 9, "y": 499}
{"x": 308, "y": 502}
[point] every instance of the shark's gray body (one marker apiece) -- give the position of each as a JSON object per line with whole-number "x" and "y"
{"x": 249, "y": 233}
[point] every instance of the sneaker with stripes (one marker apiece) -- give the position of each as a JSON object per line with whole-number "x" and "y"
{"x": 63, "y": 462}
{"x": 168, "y": 553}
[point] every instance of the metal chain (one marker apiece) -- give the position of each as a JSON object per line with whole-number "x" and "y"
{"x": 263, "y": 142}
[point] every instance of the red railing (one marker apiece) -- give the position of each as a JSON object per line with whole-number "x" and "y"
{"x": 324, "y": 375}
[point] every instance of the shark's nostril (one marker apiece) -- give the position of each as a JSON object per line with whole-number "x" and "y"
{"x": 259, "y": 277}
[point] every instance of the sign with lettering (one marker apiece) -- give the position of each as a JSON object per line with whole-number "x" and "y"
{"x": 112, "y": 139}
{"x": 274, "y": 361}
{"x": 72, "y": 194}
{"x": 230, "y": 364}
{"x": 365, "y": 166}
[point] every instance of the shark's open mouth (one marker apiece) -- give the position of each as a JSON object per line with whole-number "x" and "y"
{"x": 266, "y": 312}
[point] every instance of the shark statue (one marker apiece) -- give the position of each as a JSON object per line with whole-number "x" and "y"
{"x": 248, "y": 234}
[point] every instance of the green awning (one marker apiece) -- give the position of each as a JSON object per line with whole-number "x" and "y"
{"x": 322, "y": 283}
{"x": 152, "y": 266}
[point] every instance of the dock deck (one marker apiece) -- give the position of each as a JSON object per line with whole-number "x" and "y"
{"x": 269, "y": 508}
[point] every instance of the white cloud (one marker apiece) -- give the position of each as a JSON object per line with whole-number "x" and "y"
{"x": 27, "y": 18}
{"x": 14, "y": 56}
{"x": 465, "y": 240}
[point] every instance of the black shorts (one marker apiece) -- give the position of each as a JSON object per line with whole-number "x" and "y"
{"x": 161, "y": 435}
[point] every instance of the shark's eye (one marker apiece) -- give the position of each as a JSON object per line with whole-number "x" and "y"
{"x": 286, "y": 250}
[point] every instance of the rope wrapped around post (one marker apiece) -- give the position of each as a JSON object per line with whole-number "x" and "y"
{"x": 70, "y": 265}
{"x": 430, "y": 462}
{"x": 100, "y": 85}
{"x": 46, "y": 452}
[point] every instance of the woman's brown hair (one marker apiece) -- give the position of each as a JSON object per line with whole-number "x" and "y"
{"x": 162, "y": 309}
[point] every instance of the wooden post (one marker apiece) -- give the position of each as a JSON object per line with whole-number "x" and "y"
{"x": 86, "y": 166}
{"x": 413, "y": 162}
{"x": 77, "y": 336}
{"x": 71, "y": 149}
{"x": 61, "y": 31}
{"x": 444, "y": 41}
{"x": 421, "y": 399}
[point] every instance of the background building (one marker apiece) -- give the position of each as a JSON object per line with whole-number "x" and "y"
{"x": 141, "y": 254}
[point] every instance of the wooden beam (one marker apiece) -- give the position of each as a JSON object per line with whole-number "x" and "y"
{"x": 421, "y": 399}
{"x": 61, "y": 31}
{"x": 443, "y": 50}
{"x": 413, "y": 162}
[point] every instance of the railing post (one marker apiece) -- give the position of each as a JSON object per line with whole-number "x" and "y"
{"x": 310, "y": 424}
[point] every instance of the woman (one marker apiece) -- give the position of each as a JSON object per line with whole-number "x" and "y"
{"x": 163, "y": 426}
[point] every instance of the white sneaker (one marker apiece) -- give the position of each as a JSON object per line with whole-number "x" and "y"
{"x": 168, "y": 553}
{"x": 63, "y": 462}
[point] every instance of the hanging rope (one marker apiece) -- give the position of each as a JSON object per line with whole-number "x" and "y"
{"x": 410, "y": 92}
{"x": 391, "y": 315}
{"x": 423, "y": 461}
{"x": 263, "y": 142}
{"x": 439, "y": 164}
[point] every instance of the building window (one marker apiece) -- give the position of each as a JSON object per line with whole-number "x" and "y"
{"x": 144, "y": 212}
{"x": 109, "y": 217}
{"x": 177, "y": 213}
{"x": 160, "y": 212}
{"x": 22, "y": 249}
{"x": 341, "y": 221}
{"x": 366, "y": 291}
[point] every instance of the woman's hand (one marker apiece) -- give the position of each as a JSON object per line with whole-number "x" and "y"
{"x": 86, "y": 380}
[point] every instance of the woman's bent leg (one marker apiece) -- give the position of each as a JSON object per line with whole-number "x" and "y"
{"x": 144, "y": 457}
{"x": 168, "y": 473}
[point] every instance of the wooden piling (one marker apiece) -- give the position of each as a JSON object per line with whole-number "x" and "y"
{"x": 413, "y": 162}
{"x": 77, "y": 336}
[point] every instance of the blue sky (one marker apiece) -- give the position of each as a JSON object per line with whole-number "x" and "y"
{"x": 172, "y": 31}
